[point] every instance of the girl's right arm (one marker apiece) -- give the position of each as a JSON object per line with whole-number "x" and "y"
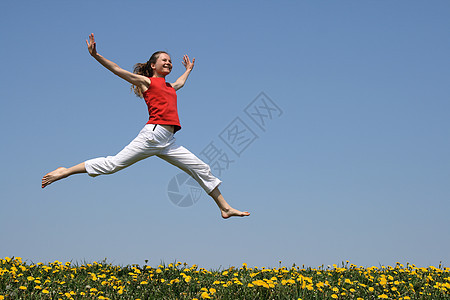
{"x": 135, "y": 79}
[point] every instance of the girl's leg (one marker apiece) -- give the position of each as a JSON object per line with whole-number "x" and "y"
{"x": 225, "y": 209}
{"x": 192, "y": 165}
{"x": 61, "y": 173}
{"x": 137, "y": 150}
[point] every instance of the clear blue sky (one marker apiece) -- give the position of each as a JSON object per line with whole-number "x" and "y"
{"x": 355, "y": 168}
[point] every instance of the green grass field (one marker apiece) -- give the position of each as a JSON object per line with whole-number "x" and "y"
{"x": 19, "y": 280}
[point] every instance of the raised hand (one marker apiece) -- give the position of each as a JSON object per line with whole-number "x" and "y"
{"x": 91, "y": 45}
{"x": 187, "y": 62}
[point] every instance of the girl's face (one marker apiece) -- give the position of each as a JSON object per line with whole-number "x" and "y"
{"x": 163, "y": 65}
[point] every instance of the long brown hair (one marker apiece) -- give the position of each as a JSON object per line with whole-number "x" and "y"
{"x": 145, "y": 69}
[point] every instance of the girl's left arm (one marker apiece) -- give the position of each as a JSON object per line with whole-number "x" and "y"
{"x": 182, "y": 79}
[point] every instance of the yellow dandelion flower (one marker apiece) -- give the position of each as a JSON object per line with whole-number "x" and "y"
{"x": 383, "y": 296}
{"x": 22, "y": 287}
{"x": 212, "y": 291}
{"x": 187, "y": 278}
{"x": 30, "y": 278}
{"x": 250, "y": 285}
{"x": 334, "y": 296}
{"x": 371, "y": 289}
{"x": 205, "y": 295}
{"x": 38, "y": 287}
{"x": 45, "y": 292}
{"x": 2, "y": 297}
{"x": 144, "y": 282}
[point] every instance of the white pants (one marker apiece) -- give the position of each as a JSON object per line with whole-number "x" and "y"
{"x": 157, "y": 141}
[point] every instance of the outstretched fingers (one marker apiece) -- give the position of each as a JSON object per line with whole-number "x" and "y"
{"x": 91, "y": 44}
{"x": 187, "y": 62}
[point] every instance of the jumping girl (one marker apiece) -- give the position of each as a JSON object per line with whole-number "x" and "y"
{"x": 156, "y": 138}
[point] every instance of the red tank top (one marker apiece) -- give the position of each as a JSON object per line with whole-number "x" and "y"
{"x": 161, "y": 100}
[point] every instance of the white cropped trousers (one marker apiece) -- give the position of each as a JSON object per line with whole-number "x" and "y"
{"x": 155, "y": 140}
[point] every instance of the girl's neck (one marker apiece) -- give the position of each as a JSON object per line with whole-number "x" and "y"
{"x": 155, "y": 74}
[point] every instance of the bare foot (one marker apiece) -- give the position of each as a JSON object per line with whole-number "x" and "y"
{"x": 53, "y": 176}
{"x": 231, "y": 212}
